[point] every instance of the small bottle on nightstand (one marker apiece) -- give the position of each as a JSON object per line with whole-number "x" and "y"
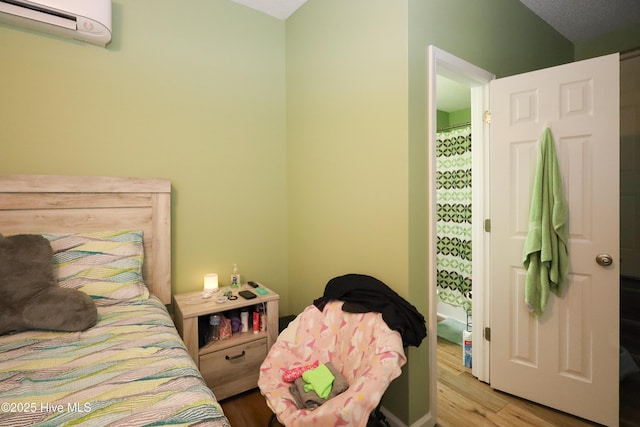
{"x": 235, "y": 277}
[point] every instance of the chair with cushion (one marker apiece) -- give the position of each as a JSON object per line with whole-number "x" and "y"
{"x": 361, "y": 326}
{"x": 361, "y": 346}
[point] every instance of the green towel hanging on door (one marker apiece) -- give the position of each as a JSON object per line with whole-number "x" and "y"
{"x": 546, "y": 256}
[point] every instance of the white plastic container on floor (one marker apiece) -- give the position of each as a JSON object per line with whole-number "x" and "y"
{"x": 466, "y": 349}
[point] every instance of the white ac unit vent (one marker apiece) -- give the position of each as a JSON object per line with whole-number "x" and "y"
{"x": 84, "y": 20}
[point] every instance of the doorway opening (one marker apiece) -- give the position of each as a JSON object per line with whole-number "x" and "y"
{"x": 448, "y": 73}
{"x": 453, "y": 208}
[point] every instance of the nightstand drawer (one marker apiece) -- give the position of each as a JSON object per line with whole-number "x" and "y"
{"x": 235, "y": 369}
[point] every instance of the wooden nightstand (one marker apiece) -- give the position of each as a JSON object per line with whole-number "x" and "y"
{"x": 229, "y": 366}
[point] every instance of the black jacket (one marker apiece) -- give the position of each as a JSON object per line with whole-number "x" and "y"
{"x": 363, "y": 293}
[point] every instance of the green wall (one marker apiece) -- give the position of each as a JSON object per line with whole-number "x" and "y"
{"x": 195, "y": 94}
{"x": 452, "y": 118}
{"x": 347, "y": 158}
{"x": 442, "y": 119}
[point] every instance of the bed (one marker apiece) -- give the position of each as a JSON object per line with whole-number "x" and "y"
{"x": 131, "y": 368}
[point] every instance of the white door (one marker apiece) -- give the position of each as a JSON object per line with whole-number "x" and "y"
{"x": 568, "y": 358}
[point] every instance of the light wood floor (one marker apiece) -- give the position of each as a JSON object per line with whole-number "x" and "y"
{"x": 462, "y": 401}
{"x": 248, "y": 410}
{"x": 465, "y": 401}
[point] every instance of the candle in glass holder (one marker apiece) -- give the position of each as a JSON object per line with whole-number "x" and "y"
{"x": 211, "y": 282}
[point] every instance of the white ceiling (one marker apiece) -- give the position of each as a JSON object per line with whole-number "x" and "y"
{"x": 452, "y": 96}
{"x": 280, "y": 9}
{"x": 576, "y": 20}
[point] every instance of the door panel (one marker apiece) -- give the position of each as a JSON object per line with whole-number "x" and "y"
{"x": 568, "y": 358}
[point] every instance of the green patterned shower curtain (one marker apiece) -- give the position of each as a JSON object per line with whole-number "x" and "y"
{"x": 453, "y": 197}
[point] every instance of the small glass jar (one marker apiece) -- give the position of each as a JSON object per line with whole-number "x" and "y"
{"x": 244, "y": 318}
{"x": 214, "y": 327}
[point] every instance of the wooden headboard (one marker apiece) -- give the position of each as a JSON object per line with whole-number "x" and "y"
{"x": 70, "y": 204}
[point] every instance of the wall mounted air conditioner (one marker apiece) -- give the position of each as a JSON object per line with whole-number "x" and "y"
{"x": 84, "y": 20}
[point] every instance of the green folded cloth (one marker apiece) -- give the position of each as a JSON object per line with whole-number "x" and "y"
{"x": 546, "y": 255}
{"x": 319, "y": 380}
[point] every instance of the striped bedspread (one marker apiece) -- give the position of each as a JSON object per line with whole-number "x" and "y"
{"x": 131, "y": 369}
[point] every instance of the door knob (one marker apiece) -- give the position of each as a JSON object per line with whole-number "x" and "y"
{"x": 604, "y": 260}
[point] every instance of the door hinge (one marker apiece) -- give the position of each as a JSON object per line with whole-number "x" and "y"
{"x": 487, "y": 333}
{"x": 487, "y": 117}
{"x": 487, "y": 225}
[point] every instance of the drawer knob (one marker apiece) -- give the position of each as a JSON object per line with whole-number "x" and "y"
{"x": 237, "y": 356}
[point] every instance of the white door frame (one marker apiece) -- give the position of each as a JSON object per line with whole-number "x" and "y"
{"x": 445, "y": 64}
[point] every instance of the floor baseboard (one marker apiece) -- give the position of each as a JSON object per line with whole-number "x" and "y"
{"x": 425, "y": 421}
